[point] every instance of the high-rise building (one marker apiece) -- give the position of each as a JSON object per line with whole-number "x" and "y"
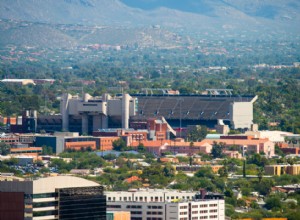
{"x": 61, "y": 197}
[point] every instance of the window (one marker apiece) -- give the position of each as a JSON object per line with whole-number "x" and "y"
{"x": 133, "y": 206}
{"x": 154, "y": 213}
{"x": 45, "y": 213}
{"x": 44, "y": 195}
{"x": 44, "y": 204}
{"x": 136, "y": 213}
{"x": 114, "y": 206}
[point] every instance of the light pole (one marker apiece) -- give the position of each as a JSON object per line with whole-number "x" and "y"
{"x": 180, "y": 103}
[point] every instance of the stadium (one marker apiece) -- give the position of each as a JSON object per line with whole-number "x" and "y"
{"x": 88, "y": 114}
{"x": 183, "y": 110}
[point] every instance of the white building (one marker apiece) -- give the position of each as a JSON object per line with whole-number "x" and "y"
{"x": 94, "y": 112}
{"x": 274, "y": 136}
{"x": 166, "y": 205}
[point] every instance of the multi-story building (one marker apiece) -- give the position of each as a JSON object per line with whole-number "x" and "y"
{"x": 96, "y": 112}
{"x": 60, "y": 197}
{"x": 278, "y": 170}
{"x": 248, "y": 144}
{"x": 167, "y": 205}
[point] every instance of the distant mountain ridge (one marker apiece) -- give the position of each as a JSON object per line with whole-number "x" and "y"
{"x": 213, "y": 17}
{"x": 256, "y": 8}
{"x": 140, "y": 12}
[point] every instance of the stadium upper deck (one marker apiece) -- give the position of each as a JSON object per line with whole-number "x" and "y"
{"x": 237, "y": 110}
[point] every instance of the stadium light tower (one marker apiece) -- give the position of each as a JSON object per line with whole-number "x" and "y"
{"x": 180, "y": 116}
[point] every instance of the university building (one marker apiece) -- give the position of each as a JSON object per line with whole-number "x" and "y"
{"x": 167, "y": 205}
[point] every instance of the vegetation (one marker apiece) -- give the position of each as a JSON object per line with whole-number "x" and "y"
{"x": 277, "y": 88}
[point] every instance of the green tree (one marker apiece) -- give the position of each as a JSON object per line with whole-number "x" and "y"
{"x": 4, "y": 148}
{"x": 205, "y": 172}
{"x": 141, "y": 148}
{"x": 197, "y": 133}
{"x": 217, "y": 150}
{"x": 119, "y": 145}
{"x": 273, "y": 202}
{"x": 47, "y": 150}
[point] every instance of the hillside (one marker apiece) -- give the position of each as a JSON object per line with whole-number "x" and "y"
{"x": 188, "y": 13}
{"x": 35, "y": 22}
{"x": 32, "y": 34}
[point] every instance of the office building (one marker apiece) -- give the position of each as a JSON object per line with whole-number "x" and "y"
{"x": 167, "y": 205}
{"x": 60, "y": 197}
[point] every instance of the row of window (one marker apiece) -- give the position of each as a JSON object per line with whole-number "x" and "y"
{"x": 45, "y": 204}
{"x": 133, "y": 206}
{"x": 45, "y": 213}
{"x": 205, "y": 211}
{"x": 154, "y": 213}
{"x": 114, "y": 206}
{"x": 154, "y": 207}
{"x": 136, "y": 213}
{"x": 156, "y": 198}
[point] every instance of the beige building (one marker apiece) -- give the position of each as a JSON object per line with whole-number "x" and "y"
{"x": 278, "y": 170}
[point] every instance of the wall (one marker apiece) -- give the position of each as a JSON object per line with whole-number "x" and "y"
{"x": 241, "y": 114}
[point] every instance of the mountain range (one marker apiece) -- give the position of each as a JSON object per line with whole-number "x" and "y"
{"x": 188, "y": 16}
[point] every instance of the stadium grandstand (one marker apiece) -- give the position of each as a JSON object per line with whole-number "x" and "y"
{"x": 87, "y": 114}
{"x": 184, "y": 110}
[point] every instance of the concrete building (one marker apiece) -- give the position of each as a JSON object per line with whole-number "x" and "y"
{"x": 60, "y": 197}
{"x": 278, "y": 170}
{"x": 21, "y": 82}
{"x": 167, "y": 205}
{"x": 274, "y": 136}
{"x": 96, "y": 112}
{"x": 183, "y": 110}
{"x": 118, "y": 215}
{"x": 195, "y": 168}
{"x": 28, "y": 151}
{"x": 249, "y": 144}
{"x": 67, "y": 140}
{"x": 177, "y": 146}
